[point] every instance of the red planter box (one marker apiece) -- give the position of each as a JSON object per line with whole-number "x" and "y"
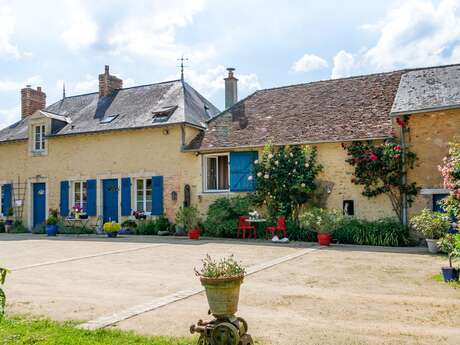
{"x": 324, "y": 239}
{"x": 194, "y": 234}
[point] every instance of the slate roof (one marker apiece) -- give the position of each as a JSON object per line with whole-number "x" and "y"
{"x": 134, "y": 108}
{"x": 428, "y": 89}
{"x": 345, "y": 109}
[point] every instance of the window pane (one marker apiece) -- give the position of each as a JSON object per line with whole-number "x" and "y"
{"x": 140, "y": 184}
{"x": 140, "y": 206}
{"x": 211, "y": 178}
{"x": 223, "y": 172}
{"x": 149, "y": 206}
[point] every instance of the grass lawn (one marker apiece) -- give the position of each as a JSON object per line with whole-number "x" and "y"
{"x": 25, "y": 331}
{"x": 438, "y": 277}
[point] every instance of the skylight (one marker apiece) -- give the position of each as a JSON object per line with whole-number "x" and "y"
{"x": 108, "y": 119}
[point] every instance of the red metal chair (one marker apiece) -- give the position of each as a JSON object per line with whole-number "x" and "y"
{"x": 280, "y": 227}
{"x": 243, "y": 226}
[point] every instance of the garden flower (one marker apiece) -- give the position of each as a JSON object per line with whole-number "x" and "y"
{"x": 303, "y": 185}
{"x": 256, "y": 161}
{"x": 266, "y": 176}
{"x": 270, "y": 156}
{"x": 307, "y": 165}
{"x": 277, "y": 162}
{"x": 373, "y": 156}
{"x": 290, "y": 154}
{"x": 259, "y": 174}
{"x": 250, "y": 178}
{"x": 397, "y": 148}
{"x": 294, "y": 171}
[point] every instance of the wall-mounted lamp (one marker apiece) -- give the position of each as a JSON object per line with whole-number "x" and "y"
{"x": 165, "y": 131}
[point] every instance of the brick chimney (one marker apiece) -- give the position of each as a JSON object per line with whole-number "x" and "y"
{"x": 32, "y": 100}
{"x": 108, "y": 83}
{"x": 231, "y": 89}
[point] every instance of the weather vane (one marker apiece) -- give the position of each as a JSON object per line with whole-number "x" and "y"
{"x": 182, "y": 66}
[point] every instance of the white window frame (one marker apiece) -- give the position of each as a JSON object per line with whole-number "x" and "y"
{"x": 41, "y": 138}
{"x": 74, "y": 189}
{"x": 205, "y": 173}
{"x": 144, "y": 193}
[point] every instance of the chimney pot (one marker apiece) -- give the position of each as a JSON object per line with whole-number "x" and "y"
{"x": 107, "y": 69}
{"x": 39, "y": 88}
{"x": 231, "y": 88}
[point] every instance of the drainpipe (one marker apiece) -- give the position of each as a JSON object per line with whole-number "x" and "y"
{"x": 404, "y": 204}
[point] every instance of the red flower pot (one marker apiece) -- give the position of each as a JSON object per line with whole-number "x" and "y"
{"x": 194, "y": 234}
{"x": 324, "y": 239}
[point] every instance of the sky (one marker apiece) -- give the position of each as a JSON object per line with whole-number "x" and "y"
{"x": 270, "y": 43}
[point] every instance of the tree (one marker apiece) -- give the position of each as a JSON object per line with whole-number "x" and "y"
{"x": 379, "y": 168}
{"x": 450, "y": 171}
{"x": 285, "y": 178}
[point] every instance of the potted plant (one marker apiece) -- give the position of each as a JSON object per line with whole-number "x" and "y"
{"x": 51, "y": 225}
{"x": 450, "y": 244}
{"x": 129, "y": 226}
{"x": 189, "y": 218}
{"x": 111, "y": 229}
{"x": 322, "y": 221}
{"x": 9, "y": 220}
{"x": 222, "y": 280}
{"x": 433, "y": 225}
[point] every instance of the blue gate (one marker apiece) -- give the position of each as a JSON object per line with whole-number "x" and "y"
{"x": 110, "y": 200}
{"x": 39, "y": 204}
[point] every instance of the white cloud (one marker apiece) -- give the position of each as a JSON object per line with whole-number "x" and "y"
{"x": 82, "y": 29}
{"x": 89, "y": 84}
{"x": 8, "y": 22}
{"x": 415, "y": 33}
{"x": 309, "y": 62}
{"x": 151, "y": 32}
{"x": 9, "y": 116}
{"x": 211, "y": 81}
{"x": 10, "y": 85}
{"x": 344, "y": 65}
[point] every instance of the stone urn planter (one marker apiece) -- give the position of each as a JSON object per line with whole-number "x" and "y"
{"x": 433, "y": 246}
{"x": 223, "y": 295}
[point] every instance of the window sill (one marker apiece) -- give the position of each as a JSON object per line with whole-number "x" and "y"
{"x": 38, "y": 153}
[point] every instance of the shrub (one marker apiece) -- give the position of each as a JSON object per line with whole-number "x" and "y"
{"x": 450, "y": 244}
{"x": 432, "y": 225}
{"x": 18, "y": 228}
{"x": 74, "y": 230}
{"x": 129, "y": 224}
{"x": 321, "y": 220}
{"x": 146, "y": 227}
{"x": 188, "y": 217}
{"x": 52, "y": 220}
{"x": 162, "y": 224}
{"x": 297, "y": 233}
{"x": 223, "y": 214}
{"x": 39, "y": 229}
{"x": 225, "y": 268}
{"x": 3, "y": 272}
{"x": 382, "y": 232}
{"x": 2, "y": 227}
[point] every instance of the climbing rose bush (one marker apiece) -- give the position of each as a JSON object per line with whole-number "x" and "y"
{"x": 285, "y": 178}
{"x": 450, "y": 171}
{"x": 379, "y": 169}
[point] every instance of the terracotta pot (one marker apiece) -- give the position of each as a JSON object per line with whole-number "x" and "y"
{"x": 324, "y": 239}
{"x": 223, "y": 295}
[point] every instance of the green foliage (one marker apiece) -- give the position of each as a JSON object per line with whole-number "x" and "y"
{"x": 296, "y": 232}
{"x": 450, "y": 245}
{"x": 146, "y": 227}
{"x": 39, "y": 229}
{"x": 18, "y": 228}
{"x": 382, "y": 232}
{"x": 432, "y": 225}
{"x": 321, "y": 220}
{"x": 3, "y": 273}
{"x": 10, "y": 212}
{"x": 74, "y": 230}
{"x": 2, "y": 227}
{"x": 129, "y": 224}
{"x": 285, "y": 178}
{"x": 223, "y": 214}
{"x": 52, "y": 220}
{"x": 162, "y": 224}
{"x": 22, "y": 331}
{"x": 379, "y": 168}
{"x": 188, "y": 217}
{"x": 226, "y": 267}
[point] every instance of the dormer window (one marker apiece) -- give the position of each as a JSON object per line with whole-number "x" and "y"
{"x": 39, "y": 138}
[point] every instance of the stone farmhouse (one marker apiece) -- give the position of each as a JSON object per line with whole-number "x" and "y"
{"x": 157, "y": 147}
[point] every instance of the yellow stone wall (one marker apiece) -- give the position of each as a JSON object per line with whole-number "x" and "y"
{"x": 429, "y": 136}
{"x": 129, "y": 153}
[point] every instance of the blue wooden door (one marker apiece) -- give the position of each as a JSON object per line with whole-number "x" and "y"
{"x": 110, "y": 200}
{"x": 39, "y": 204}
{"x": 437, "y": 206}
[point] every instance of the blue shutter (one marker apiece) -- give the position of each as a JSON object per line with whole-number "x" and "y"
{"x": 157, "y": 195}
{"x": 91, "y": 209}
{"x": 240, "y": 169}
{"x": 126, "y": 196}
{"x": 64, "y": 205}
{"x": 6, "y": 198}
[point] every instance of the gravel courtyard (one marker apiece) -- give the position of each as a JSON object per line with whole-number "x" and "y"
{"x": 337, "y": 295}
